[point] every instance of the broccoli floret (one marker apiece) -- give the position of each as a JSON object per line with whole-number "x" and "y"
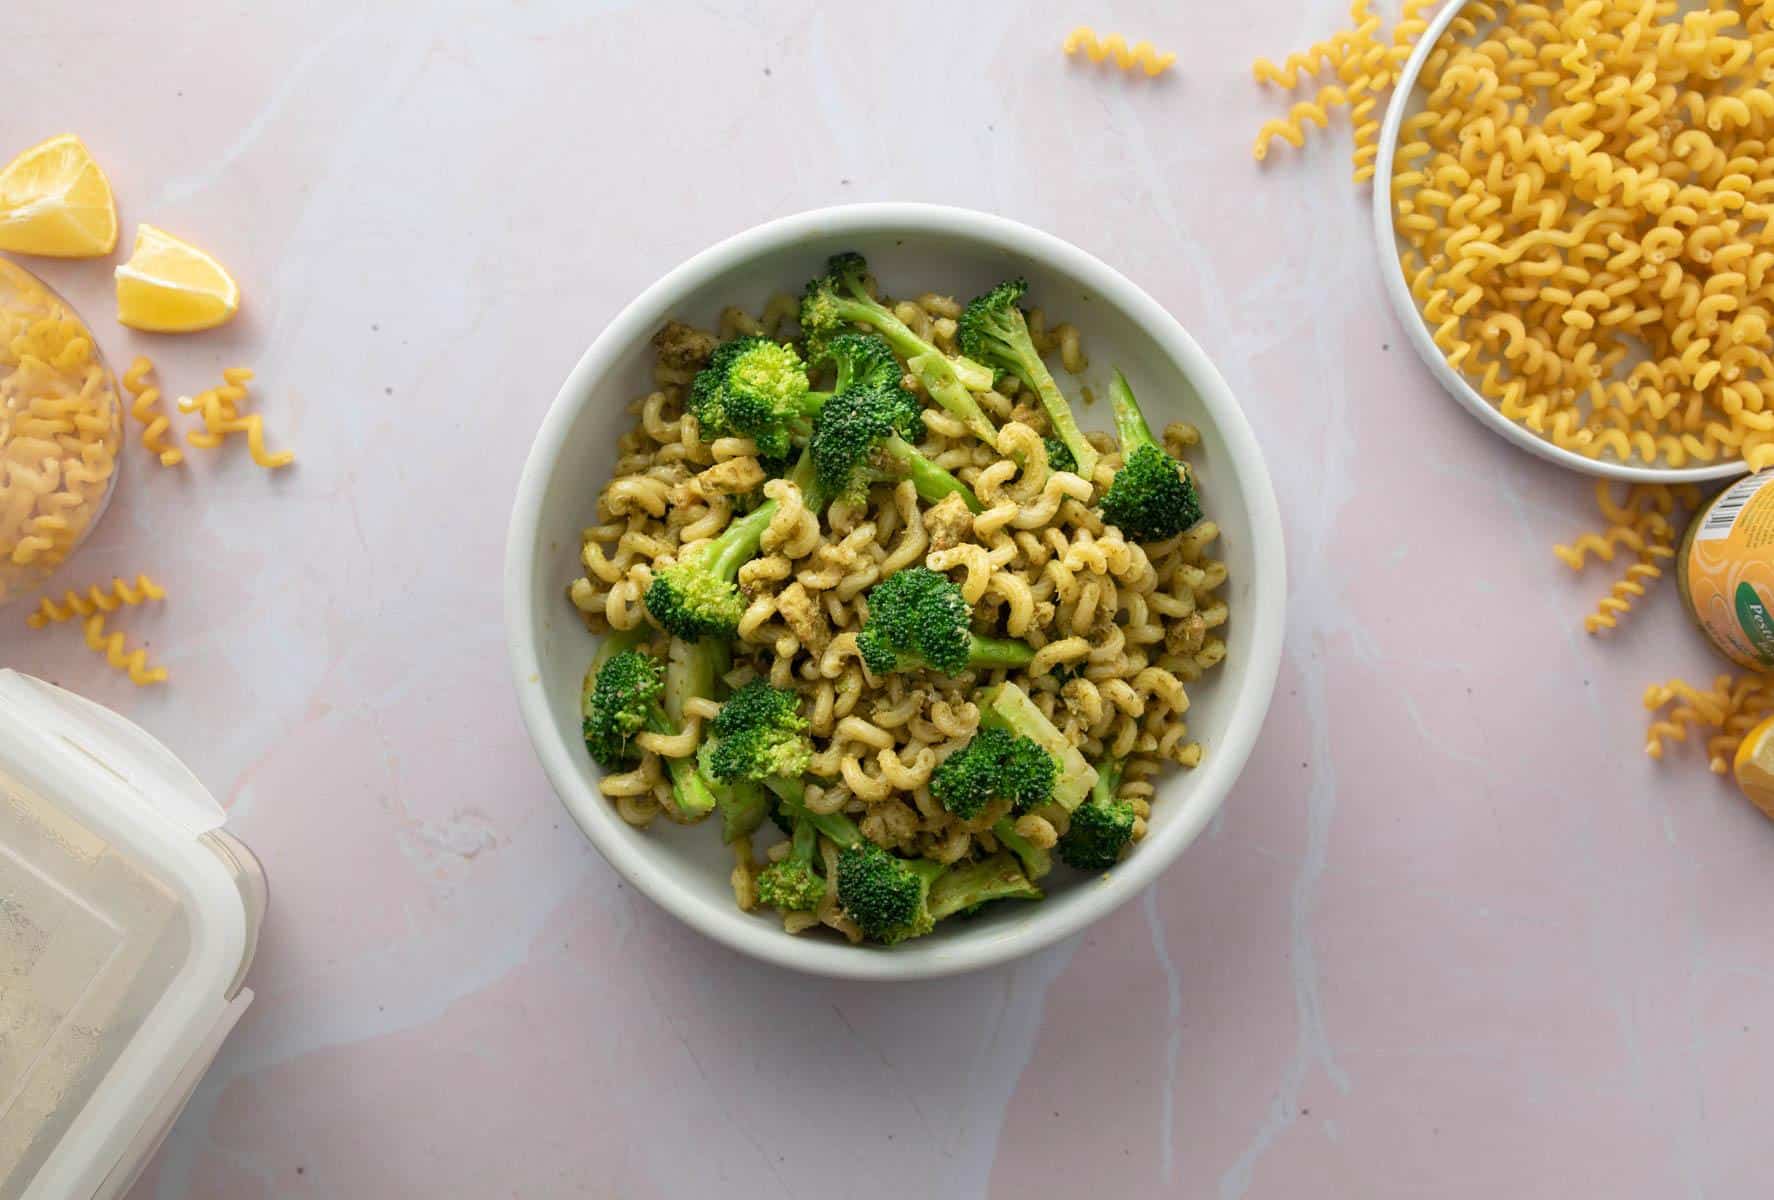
{"x": 1008, "y": 707}
{"x": 918, "y": 617}
{"x": 961, "y": 890}
{"x": 754, "y": 387}
{"x": 887, "y": 897}
{"x": 861, "y": 360}
{"x": 1151, "y": 497}
{"x": 839, "y": 298}
{"x": 1059, "y": 455}
{"x": 994, "y": 331}
{"x": 1101, "y": 827}
{"x": 759, "y": 732}
{"x": 792, "y": 885}
{"x": 995, "y": 765}
{"x": 620, "y": 699}
{"x": 696, "y": 596}
{"x": 865, "y": 434}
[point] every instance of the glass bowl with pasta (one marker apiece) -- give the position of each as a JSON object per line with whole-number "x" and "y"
{"x": 820, "y": 626}
{"x": 60, "y": 428}
{"x": 1572, "y": 231}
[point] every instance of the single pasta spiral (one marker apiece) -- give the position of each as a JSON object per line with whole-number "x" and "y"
{"x": 115, "y": 649}
{"x": 96, "y": 599}
{"x": 1084, "y": 40}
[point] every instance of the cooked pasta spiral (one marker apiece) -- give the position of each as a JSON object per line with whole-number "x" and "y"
{"x": 1120, "y": 629}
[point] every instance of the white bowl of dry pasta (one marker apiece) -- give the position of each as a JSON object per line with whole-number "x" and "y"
{"x": 1572, "y": 233}
{"x": 876, "y": 689}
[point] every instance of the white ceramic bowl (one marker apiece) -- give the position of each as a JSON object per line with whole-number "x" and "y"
{"x": 912, "y": 248}
{"x": 1405, "y": 101}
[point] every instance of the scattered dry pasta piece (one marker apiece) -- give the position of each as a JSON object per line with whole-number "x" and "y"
{"x": 1084, "y": 40}
{"x": 147, "y": 396}
{"x": 1733, "y": 707}
{"x": 1644, "y": 522}
{"x": 95, "y": 599}
{"x": 133, "y": 663}
{"x": 220, "y": 410}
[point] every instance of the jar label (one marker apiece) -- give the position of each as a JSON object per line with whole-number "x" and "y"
{"x": 1730, "y": 571}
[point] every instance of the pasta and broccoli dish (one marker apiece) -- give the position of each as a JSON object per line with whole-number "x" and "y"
{"x": 870, "y": 596}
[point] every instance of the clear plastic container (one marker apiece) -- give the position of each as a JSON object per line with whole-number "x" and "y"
{"x": 61, "y": 426}
{"x": 128, "y": 919}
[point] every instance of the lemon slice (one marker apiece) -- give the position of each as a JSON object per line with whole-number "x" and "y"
{"x": 170, "y": 286}
{"x": 54, "y": 201}
{"x": 1754, "y": 766}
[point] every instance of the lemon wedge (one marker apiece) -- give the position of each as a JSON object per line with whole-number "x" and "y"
{"x": 1754, "y": 766}
{"x": 55, "y": 202}
{"x": 170, "y": 286}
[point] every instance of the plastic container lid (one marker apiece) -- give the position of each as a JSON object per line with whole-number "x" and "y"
{"x": 128, "y": 919}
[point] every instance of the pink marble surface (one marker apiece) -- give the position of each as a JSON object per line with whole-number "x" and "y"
{"x": 1452, "y": 935}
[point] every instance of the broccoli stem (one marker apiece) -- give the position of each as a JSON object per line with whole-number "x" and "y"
{"x": 933, "y": 482}
{"x": 1108, "y": 780}
{"x": 689, "y": 672}
{"x": 998, "y": 652}
{"x": 1059, "y": 414}
{"x": 1130, "y": 422}
{"x": 689, "y": 790}
{"x": 743, "y": 808}
{"x": 1036, "y": 861}
{"x": 836, "y": 826}
{"x": 738, "y": 543}
{"x": 963, "y": 888}
{"x": 932, "y": 367}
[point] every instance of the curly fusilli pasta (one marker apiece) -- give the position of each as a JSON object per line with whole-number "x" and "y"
{"x": 1084, "y": 40}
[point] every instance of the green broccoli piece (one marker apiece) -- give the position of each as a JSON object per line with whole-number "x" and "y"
{"x": 994, "y": 331}
{"x": 759, "y": 732}
{"x": 1151, "y": 497}
{"x": 963, "y": 888}
{"x": 754, "y": 387}
{"x": 839, "y": 298}
{"x": 1059, "y": 455}
{"x": 918, "y": 618}
{"x": 1101, "y": 827}
{"x": 791, "y": 806}
{"x": 621, "y": 697}
{"x": 1036, "y": 861}
{"x": 995, "y": 765}
{"x": 697, "y": 596}
{"x": 792, "y": 885}
{"x": 866, "y": 434}
{"x": 1007, "y": 707}
{"x": 862, "y": 360}
{"x": 743, "y": 805}
{"x": 887, "y": 897}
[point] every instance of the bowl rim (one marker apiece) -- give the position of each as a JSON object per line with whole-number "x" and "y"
{"x": 1252, "y": 688}
{"x": 1416, "y": 326}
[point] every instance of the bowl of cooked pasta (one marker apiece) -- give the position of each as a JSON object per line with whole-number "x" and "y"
{"x": 1571, "y": 234}
{"x": 893, "y": 590}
